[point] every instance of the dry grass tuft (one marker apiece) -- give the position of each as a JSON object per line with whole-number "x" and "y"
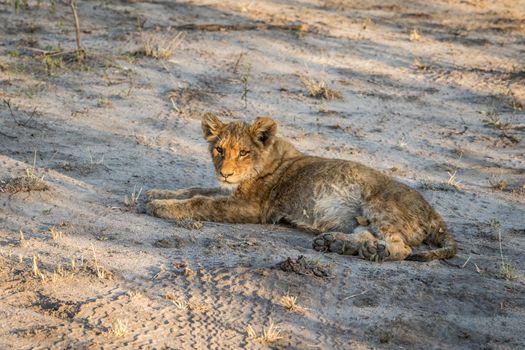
{"x": 421, "y": 66}
{"x": 270, "y": 334}
{"x": 55, "y": 233}
{"x": 119, "y": 328}
{"x": 290, "y": 303}
{"x": 508, "y": 272}
{"x": 31, "y": 181}
{"x": 104, "y": 103}
{"x": 179, "y": 302}
{"x": 134, "y": 294}
{"x": 36, "y": 270}
{"x": 182, "y": 303}
{"x": 101, "y": 272}
{"x": 414, "y": 35}
{"x": 318, "y": 89}
{"x": 498, "y": 183}
{"x": 453, "y": 181}
{"x": 159, "y": 46}
{"x": 22, "y": 240}
{"x": 132, "y": 201}
{"x": 494, "y": 121}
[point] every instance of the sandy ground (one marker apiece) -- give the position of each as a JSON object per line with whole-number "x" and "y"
{"x": 430, "y": 89}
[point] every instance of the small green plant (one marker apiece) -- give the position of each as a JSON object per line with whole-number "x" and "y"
{"x": 52, "y": 63}
{"x": 506, "y": 270}
{"x": 245, "y": 77}
{"x": 494, "y": 223}
{"x": 18, "y": 4}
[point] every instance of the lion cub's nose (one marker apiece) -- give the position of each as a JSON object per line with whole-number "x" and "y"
{"x": 226, "y": 175}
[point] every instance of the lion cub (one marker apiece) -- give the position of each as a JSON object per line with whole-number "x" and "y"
{"x": 357, "y": 209}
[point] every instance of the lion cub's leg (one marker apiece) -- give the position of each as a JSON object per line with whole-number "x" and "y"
{"x": 185, "y": 193}
{"x": 218, "y": 209}
{"x": 342, "y": 243}
{"x": 392, "y": 247}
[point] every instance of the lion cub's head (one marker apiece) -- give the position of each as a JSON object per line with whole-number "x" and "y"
{"x": 239, "y": 151}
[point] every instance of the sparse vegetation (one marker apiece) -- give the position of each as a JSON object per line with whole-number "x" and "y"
{"x": 270, "y": 334}
{"x": 498, "y": 183}
{"x": 421, "y": 66}
{"x": 119, "y": 328}
{"x": 245, "y": 77}
{"x": 506, "y": 271}
{"x": 494, "y": 121}
{"x": 36, "y": 270}
{"x": 134, "y": 294}
{"x": 453, "y": 181}
{"x": 159, "y": 46}
{"x": 30, "y": 181}
{"x": 104, "y": 103}
{"x": 290, "y": 303}
{"x": 414, "y": 35}
{"x": 52, "y": 63}
{"x": 21, "y": 240}
{"x": 55, "y": 233}
{"x": 182, "y": 303}
{"x": 318, "y": 89}
{"x": 132, "y": 200}
{"x": 101, "y": 272}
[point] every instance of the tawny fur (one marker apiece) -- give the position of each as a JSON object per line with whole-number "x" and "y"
{"x": 275, "y": 183}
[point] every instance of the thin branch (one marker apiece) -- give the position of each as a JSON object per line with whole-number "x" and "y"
{"x": 8, "y": 136}
{"x": 355, "y": 295}
{"x": 80, "y": 51}
{"x": 301, "y": 27}
{"x": 18, "y": 122}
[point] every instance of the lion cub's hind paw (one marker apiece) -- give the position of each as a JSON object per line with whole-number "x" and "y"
{"x": 329, "y": 242}
{"x": 374, "y": 250}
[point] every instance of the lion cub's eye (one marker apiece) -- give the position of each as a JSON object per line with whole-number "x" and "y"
{"x": 219, "y": 150}
{"x": 244, "y": 153}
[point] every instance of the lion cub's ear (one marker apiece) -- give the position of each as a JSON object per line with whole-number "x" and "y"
{"x": 211, "y": 127}
{"x": 263, "y": 130}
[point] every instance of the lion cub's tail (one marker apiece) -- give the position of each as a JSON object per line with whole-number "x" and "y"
{"x": 443, "y": 239}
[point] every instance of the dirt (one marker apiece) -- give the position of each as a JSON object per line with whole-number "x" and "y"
{"x": 430, "y": 92}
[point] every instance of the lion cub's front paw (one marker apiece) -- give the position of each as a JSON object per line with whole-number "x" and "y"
{"x": 329, "y": 242}
{"x": 374, "y": 250}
